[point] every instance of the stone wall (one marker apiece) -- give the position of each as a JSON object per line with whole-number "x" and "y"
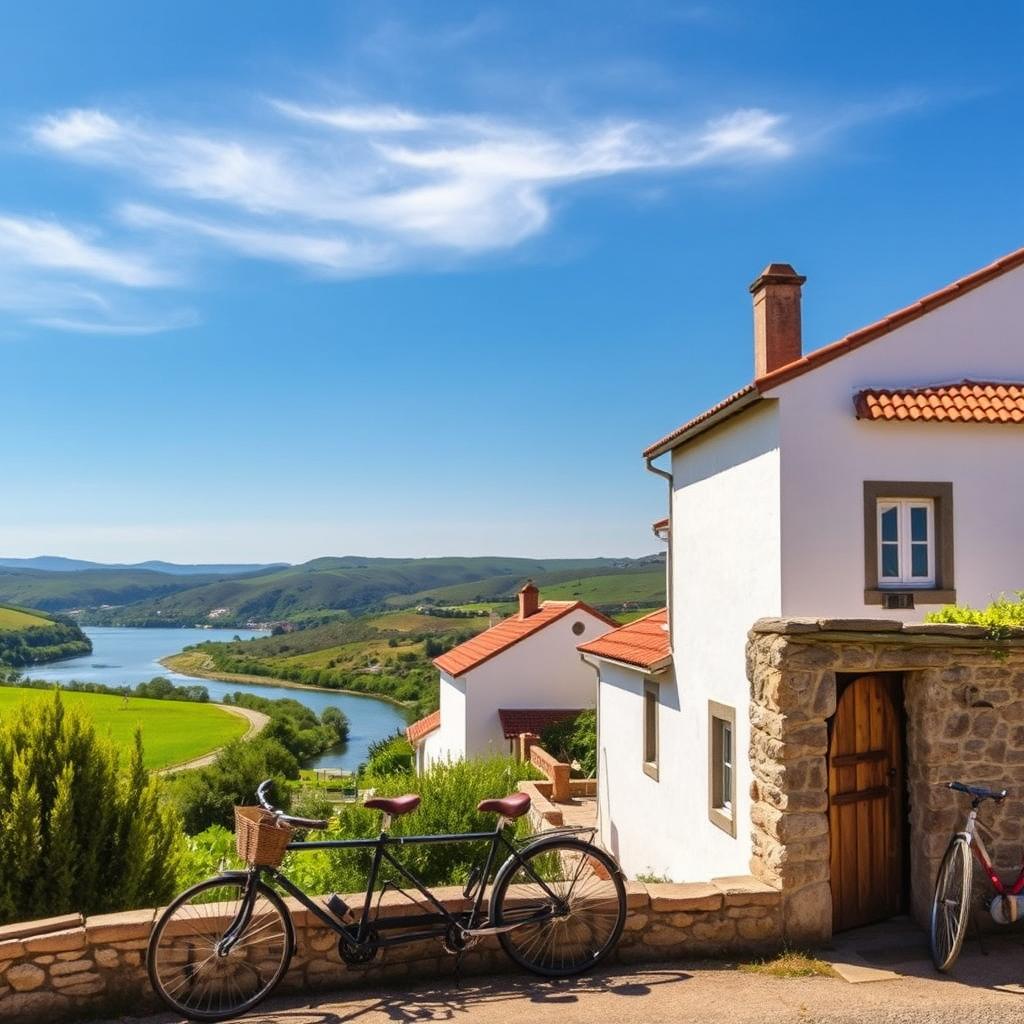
{"x": 964, "y": 705}
{"x": 69, "y": 968}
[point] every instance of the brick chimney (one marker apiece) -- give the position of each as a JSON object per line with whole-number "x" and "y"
{"x": 777, "y": 338}
{"x": 529, "y": 600}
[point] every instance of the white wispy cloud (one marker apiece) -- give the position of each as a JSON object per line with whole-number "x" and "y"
{"x": 352, "y": 189}
{"x": 61, "y": 276}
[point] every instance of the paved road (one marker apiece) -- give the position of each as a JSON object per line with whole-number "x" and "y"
{"x": 257, "y": 723}
{"x": 985, "y": 990}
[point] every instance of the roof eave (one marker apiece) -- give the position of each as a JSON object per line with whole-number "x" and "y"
{"x": 743, "y": 401}
{"x": 653, "y": 669}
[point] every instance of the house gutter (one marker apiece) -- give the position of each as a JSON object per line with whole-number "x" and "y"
{"x": 666, "y": 475}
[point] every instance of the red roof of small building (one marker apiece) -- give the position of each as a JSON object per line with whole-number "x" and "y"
{"x": 661, "y": 524}
{"x": 967, "y": 402}
{"x": 507, "y": 633}
{"x": 643, "y": 643}
{"x": 752, "y": 392}
{"x": 516, "y": 721}
{"x": 417, "y": 730}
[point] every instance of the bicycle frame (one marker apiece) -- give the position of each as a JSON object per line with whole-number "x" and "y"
{"x": 433, "y": 925}
{"x": 977, "y": 845}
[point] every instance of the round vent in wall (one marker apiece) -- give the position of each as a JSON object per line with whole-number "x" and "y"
{"x": 578, "y": 627}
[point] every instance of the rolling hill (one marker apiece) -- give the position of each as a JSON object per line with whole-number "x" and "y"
{"x": 349, "y": 584}
{"x": 28, "y": 637}
{"x": 55, "y": 563}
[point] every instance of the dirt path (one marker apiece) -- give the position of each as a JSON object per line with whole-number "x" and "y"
{"x": 984, "y": 989}
{"x": 257, "y": 723}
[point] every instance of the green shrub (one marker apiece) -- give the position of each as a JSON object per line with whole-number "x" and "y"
{"x": 79, "y": 829}
{"x": 392, "y": 755}
{"x": 574, "y": 739}
{"x": 207, "y": 796}
{"x": 1001, "y": 614}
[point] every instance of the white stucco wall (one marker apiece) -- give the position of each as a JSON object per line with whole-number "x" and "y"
{"x": 638, "y": 818}
{"x": 827, "y": 454}
{"x": 543, "y": 670}
{"x": 448, "y": 743}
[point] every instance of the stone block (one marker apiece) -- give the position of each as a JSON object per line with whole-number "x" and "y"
{"x": 106, "y": 957}
{"x": 807, "y": 914}
{"x": 70, "y": 967}
{"x": 85, "y": 985}
{"x": 788, "y": 626}
{"x": 636, "y": 922}
{"x": 11, "y": 949}
{"x": 860, "y": 625}
{"x": 25, "y": 977}
{"x": 661, "y": 936}
{"x": 714, "y": 931}
{"x": 67, "y": 982}
{"x": 745, "y": 890}
{"x": 26, "y": 929}
{"x": 686, "y": 896}
{"x": 759, "y": 928}
{"x": 637, "y": 895}
{"x": 56, "y": 942}
{"x": 132, "y": 924}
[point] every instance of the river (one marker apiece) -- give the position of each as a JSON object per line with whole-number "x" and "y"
{"x": 123, "y": 655}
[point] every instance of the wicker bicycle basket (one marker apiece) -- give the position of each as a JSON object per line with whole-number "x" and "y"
{"x": 259, "y": 837}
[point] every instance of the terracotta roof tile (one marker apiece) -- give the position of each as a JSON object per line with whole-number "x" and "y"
{"x": 516, "y": 721}
{"x": 967, "y": 402}
{"x": 643, "y": 643}
{"x": 501, "y": 637}
{"x": 826, "y": 354}
{"x": 417, "y": 730}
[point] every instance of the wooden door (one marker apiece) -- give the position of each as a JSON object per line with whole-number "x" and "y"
{"x": 865, "y": 786}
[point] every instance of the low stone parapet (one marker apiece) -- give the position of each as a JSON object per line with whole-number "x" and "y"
{"x": 69, "y": 968}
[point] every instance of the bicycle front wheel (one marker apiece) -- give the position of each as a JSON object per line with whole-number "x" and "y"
{"x": 194, "y": 974}
{"x": 571, "y": 898}
{"x": 951, "y": 904}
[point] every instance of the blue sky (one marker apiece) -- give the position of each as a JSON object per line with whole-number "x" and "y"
{"x": 284, "y": 280}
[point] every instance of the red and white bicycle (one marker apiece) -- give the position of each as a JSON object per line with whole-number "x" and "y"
{"x": 951, "y": 906}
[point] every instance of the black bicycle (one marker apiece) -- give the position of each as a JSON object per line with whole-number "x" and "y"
{"x": 557, "y": 905}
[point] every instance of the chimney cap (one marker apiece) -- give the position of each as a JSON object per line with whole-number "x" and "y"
{"x": 528, "y": 586}
{"x": 777, "y": 273}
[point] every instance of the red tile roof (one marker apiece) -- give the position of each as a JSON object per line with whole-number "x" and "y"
{"x": 643, "y": 643}
{"x": 967, "y": 402}
{"x": 516, "y": 721}
{"x": 415, "y": 732}
{"x": 752, "y": 392}
{"x": 506, "y": 633}
{"x": 661, "y": 524}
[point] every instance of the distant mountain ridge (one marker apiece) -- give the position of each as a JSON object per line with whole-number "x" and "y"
{"x": 55, "y": 563}
{"x": 330, "y": 586}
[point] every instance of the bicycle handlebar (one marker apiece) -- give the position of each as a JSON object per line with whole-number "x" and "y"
{"x": 288, "y": 819}
{"x": 978, "y": 793}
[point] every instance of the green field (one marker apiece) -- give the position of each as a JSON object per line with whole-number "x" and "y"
{"x": 172, "y": 731}
{"x": 15, "y": 618}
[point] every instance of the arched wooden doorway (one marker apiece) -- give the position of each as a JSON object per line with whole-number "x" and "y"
{"x": 866, "y": 801}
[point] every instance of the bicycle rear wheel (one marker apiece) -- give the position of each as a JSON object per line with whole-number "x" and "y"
{"x": 951, "y": 904}
{"x": 196, "y": 978}
{"x": 572, "y": 895}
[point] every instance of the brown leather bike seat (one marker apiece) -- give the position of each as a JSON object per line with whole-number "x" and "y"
{"x": 394, "y": 804}
{"x": 514, "y": 806}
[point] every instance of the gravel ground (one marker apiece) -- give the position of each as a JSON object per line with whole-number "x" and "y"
{"x": 983, "y": 989}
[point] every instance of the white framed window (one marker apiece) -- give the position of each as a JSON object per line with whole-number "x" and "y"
{"x": 722, "y": 766}
{"x": 906, "y": 542}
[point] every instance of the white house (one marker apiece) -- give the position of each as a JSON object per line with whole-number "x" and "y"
{"x": 518, "y": 676}
{"x": 879, "y": 476}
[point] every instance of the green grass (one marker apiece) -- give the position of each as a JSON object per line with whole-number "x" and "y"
{"x": 172, "y": 731}
{"x": 15, "y": 618}
{"x": 790, "y": 963}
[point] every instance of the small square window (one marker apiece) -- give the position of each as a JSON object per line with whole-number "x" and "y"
{"x": 722, "y": 766}
{"x": 651, "y": 701}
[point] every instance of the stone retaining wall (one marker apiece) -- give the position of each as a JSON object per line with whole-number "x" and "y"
{"x": 69, "y": 968}
{"x": 963, "y": 696}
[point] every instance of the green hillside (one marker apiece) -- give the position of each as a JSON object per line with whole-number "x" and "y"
{"x": 349, "y": 584}
{"x": 90, "y": 588}
{"x": 642, "y": 585}
{"x": 172, "y": 731}
{"x": 29, "y": 637}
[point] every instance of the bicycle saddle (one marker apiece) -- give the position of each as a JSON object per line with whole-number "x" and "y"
{"x": 394, "y": 804}
{"x": 514, "y": 806}
{"x": 978, "y": 792}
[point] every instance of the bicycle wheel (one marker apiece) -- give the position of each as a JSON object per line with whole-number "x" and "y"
{"x": 951, "y": 904}
{"x": 188, "y": 971}
{"x": 580, "y": 907}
